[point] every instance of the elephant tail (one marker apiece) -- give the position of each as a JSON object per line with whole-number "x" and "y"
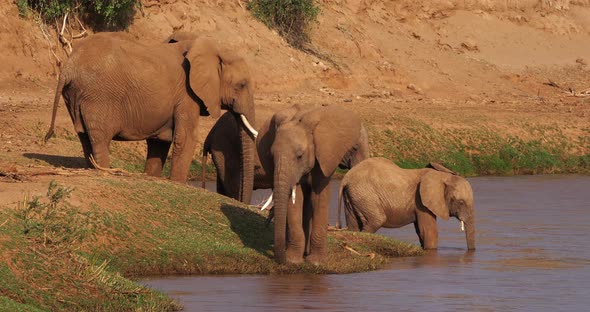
{"x": 338, "y": 223}
{"x": 60, "y": 86}
{"x": 206, "y": 150}
{"x": 203, "y": 167}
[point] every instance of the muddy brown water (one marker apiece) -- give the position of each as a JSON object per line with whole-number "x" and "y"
{"x": 533, "y": 254}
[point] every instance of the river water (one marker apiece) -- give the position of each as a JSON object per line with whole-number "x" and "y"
{"x": 533, "y": 239}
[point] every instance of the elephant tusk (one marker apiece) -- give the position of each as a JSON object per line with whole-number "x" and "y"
{"x": 462, "y": 226}
{"x": 293, "y": 195}
{"x": 248, "y": 126}
{"x": 267, "y": 203}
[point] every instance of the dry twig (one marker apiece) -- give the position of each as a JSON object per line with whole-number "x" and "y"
{"x": 50, "y": 47}
{"x": 62, "y": 38}
{"x": 569, "y": 90}
{"x": 115, "y": 171}
{"x": 345, "y": 246}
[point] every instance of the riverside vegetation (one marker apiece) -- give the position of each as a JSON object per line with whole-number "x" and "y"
{"x": 60, "y": 255}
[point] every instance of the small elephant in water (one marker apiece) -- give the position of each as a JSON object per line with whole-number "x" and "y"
{"x": 377, "y": 193}
{"x": 116, "y": 88}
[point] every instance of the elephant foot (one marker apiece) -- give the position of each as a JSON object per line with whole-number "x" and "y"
{"x": 294, "y": 257}
{"x": 315, "y": 259}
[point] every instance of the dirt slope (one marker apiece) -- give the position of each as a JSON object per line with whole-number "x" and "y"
{"x": 458, "y": 68}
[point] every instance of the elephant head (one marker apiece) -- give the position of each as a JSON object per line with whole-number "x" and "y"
{"x": 446, "y": 195}
{"x": 307, "y": 148}
{"x": 221, "y": 80}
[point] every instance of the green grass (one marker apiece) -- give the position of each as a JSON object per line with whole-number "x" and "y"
{"x": 291, "y": 18}
{"x": 55, "y": 256}
{"x": 101, "y": 14}
{"x": 482, "y": 151}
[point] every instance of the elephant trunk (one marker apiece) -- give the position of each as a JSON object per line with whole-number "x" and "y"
{"x": 470, "y": 233}
{"x": 246, "y": 164}
{"x": 282, "y": 191}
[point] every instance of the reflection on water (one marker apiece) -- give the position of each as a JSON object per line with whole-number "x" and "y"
{"x": 532, "y": 255}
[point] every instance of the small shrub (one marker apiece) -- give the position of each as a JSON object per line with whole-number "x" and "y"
{"x": 53, "y": 222}
{"x": 291, "y": 18}
{"x": 101, "y": 14}
{"x": 23, "y": 7}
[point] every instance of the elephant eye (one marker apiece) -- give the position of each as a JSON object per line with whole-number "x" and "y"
{"x": 299, "y": 154}
{"x": 241, "y": 85}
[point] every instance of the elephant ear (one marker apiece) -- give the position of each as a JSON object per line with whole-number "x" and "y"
{"x": 205, "y": 74}
{"x": 285, "y": 115}
{"x": 336, "y": 132}
{"x": 441, "y": 168}
{"x": 178, "y": 36}
{"x": 432, "y": 193}
{"x": 267, "y": 135}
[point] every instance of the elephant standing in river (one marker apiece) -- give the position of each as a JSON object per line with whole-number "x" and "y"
{"x": 121, "y": 89}
{"x": 222, "y": 143}
{"x": 301, "y": 152}
{"x": 377, "y": 193}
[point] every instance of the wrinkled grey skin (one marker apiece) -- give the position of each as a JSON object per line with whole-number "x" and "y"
{"x": 118, "y": 88}
{"x": 304, "y": 153}
{"x": 222, "y": 144}
{"x": 377, "y": 193}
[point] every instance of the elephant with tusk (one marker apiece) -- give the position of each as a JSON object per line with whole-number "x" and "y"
{"x": 222, "y": 142}
{"x": 117, "y": 88}
{"x": 298, "y": 150}
{"x": 377, "y": 193}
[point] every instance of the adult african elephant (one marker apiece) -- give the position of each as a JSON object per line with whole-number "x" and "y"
{"x": 377, "y": 193}
{"x": 222, "y": 143}
{"x": 121, "y": 89}
{"x": 301, "y": 149}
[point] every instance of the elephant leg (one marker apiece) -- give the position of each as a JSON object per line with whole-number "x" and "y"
{"x": 295, "y": 233}
{"x": 86, "y": 147}
{"x": 307, "y": 216}
{"x": 220, "y": 187}
{"x": 320, "y": 199}
{"x": 352, "y": 219}
{"x": 185, "y": 142}
{"x": 157, "y": 151}
{"x": 100, "y": 131}
{"x": 417, "y": 228}
{"x": 427, "y": 228}
{"x": 100, "y": 151}
{"x": 361, "y": 211}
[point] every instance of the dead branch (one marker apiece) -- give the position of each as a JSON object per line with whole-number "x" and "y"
{"x": 62, "y": 38}
{"x": 83, "y": 33}
{"x": 553, "y": 84}
{"x": 50, "y": 47}
{"x": 115, "y": 171}
{"x": 569, "y": 90}
{"x": 345, "y": 246}
{"x": 202, "y": 217}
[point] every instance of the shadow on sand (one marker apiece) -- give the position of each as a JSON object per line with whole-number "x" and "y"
{"x": 59, "y": 161}
{"x": 250, "y": 227}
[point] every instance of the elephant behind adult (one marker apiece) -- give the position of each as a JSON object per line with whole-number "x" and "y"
{"x": 377, "y": 193}
{"x": 301, "y": 155}
{"x": 127, "y": 90}
{"x": 222, "y": 144}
